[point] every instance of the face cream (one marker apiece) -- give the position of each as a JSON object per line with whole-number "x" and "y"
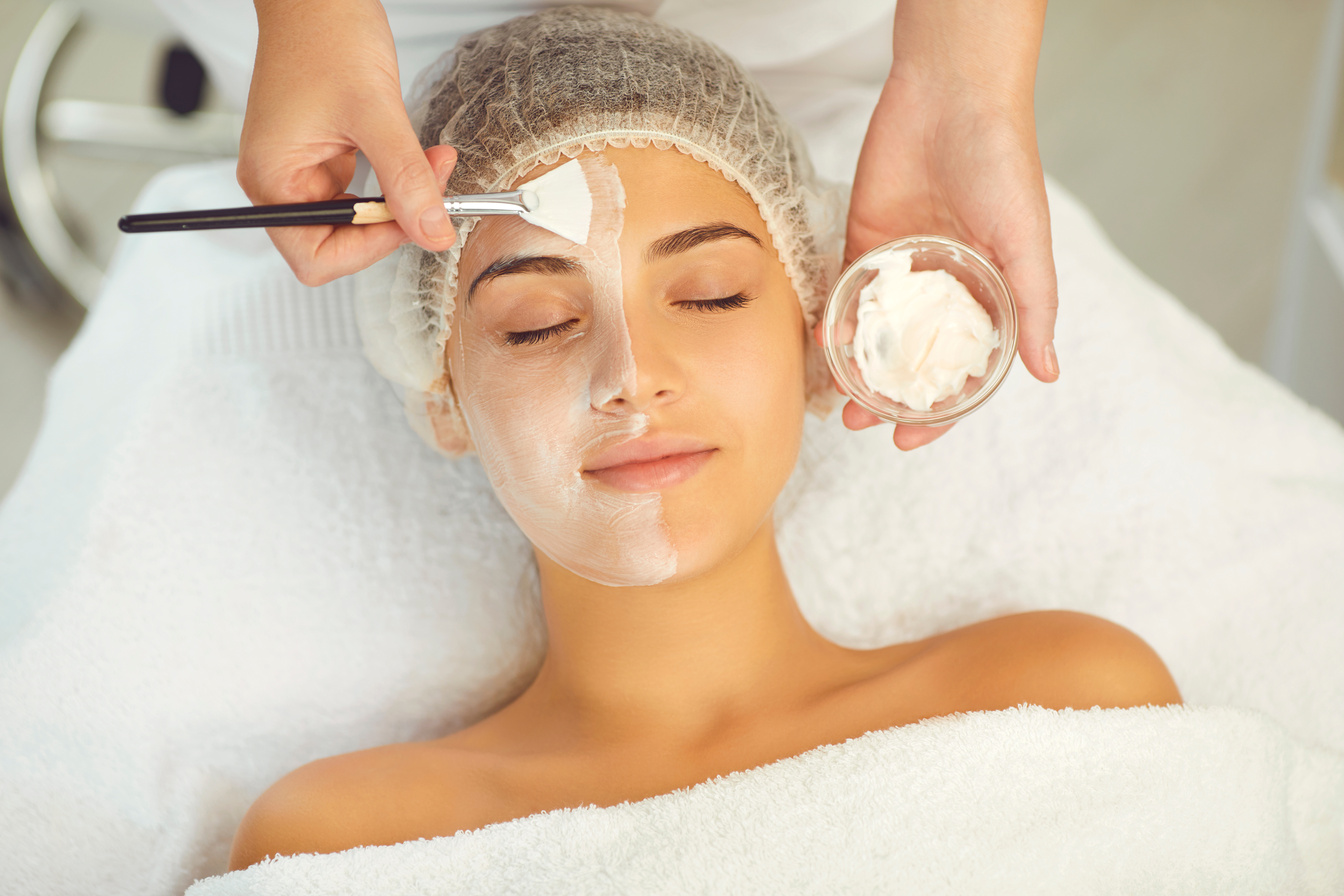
{"x": 536, "y": 413}
{"x": 919, "y": 334}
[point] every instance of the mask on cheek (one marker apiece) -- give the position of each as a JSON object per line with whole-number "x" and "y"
{"x": 534, "y": 422}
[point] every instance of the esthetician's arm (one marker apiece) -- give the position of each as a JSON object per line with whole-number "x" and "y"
{"x": 951, "y": 150}
{"x": 325, "y": 83}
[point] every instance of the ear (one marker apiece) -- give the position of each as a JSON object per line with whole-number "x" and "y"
{"x": 819, "y": 385}
{"x": 447, "y": 425}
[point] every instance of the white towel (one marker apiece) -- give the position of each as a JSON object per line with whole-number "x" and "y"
{"x": 227, "y": 555}
{"x": 1139, "y": 801}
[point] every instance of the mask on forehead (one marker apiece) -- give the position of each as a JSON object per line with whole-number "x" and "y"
{"x": 548, "y": 86}
{"x": 536, "y": 415}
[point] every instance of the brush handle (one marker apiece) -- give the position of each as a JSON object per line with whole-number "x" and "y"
{"x": 336, "y": 211}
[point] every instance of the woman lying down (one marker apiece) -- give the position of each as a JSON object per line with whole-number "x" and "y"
{"x": 637, "y": 401}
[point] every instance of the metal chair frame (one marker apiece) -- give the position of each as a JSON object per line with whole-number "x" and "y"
{"x": 95, "y": 129}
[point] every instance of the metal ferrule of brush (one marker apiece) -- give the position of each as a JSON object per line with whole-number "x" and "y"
{"x": 511, "y": 203}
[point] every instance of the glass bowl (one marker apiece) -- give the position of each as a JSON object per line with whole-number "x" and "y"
{"x": 985, "y": 284}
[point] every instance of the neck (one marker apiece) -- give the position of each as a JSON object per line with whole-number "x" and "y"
{"x": 675, "y": 662}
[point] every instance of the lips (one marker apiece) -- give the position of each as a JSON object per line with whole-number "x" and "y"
{"x": 649, "y": 463}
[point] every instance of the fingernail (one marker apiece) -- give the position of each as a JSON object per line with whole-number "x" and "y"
{"x": 434, "y": 222}
{"x": 1051, "y": 361}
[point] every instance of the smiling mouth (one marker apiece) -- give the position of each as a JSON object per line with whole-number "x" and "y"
{"x": 649, "y": 464}
{"x": 652, "y": 475}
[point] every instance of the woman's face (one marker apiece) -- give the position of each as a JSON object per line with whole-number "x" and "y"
{"x": 636, "y": 400}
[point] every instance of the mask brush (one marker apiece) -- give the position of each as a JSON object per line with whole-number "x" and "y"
{"x": 558, "y": 201}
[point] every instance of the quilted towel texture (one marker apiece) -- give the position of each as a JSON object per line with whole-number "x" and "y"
{"x": 1139, "y": 801}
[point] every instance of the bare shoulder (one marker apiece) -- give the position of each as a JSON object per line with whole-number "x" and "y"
{"x": 371, "y": 797}
{"x": 1062, "y": 659}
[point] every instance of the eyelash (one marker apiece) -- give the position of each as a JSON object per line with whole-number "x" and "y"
{"x": 536, "y": 337}
{"x": 725, "y": 304}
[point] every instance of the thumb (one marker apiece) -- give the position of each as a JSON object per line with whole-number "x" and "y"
{"x": 1036, "y": 291}
{"x": 409, "y": 183}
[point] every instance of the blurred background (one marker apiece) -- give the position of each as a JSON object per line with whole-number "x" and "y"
{"x": 1201, "y": 133}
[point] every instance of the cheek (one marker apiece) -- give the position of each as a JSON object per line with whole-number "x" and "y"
{"x": 757, "y": 365}
{"x": 512, "y": 408}
{"x": 776, "y": 403}
{"x": 753, "y": 380}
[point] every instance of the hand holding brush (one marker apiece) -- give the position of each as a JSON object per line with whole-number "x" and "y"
{"x": 324, "y": 85}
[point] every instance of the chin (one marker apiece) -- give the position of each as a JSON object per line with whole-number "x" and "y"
{"x": 706, "y": 541}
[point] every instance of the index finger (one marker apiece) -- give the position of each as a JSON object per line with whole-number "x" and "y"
{"x": 407, "y": 176}
{"x": 322, "y": 253}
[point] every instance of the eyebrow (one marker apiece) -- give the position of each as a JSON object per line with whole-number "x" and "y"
{"x": 525, "y": 264}
{"x": 663, "y": 247}
{"x": 685, "y": 240}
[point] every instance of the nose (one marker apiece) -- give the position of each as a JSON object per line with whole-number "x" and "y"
{"x": 640, "y": 370}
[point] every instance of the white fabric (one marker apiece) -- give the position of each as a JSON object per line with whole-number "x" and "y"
{"x": 850, "y": 41}
{"x": 1125, "y": 802}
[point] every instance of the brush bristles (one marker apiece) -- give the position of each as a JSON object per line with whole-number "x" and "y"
{"x": 564, "y": 202}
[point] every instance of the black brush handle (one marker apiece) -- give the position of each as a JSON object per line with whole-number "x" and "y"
{"x": 336, "y": 211}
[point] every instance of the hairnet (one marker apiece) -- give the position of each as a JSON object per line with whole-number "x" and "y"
{"x": 554, "y": 84}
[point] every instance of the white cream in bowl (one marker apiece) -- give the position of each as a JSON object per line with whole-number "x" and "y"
{"x": 920, "y": 334}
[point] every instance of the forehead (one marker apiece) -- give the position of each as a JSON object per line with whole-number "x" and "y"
{"x": 667, "y": 183}
{"x": 665, "y": 190}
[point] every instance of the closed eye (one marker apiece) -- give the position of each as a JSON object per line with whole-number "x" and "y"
{"x": 738, "y": 301}
{"x": 536, "y": 337}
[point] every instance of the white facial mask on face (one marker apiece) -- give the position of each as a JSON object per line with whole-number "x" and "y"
{"x": 536, "y": 413}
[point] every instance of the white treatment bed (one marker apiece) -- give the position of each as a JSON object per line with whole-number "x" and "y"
{"x": 228, "y": 555}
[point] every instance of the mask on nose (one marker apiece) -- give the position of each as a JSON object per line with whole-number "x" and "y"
{"x": 534, "y": 420}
